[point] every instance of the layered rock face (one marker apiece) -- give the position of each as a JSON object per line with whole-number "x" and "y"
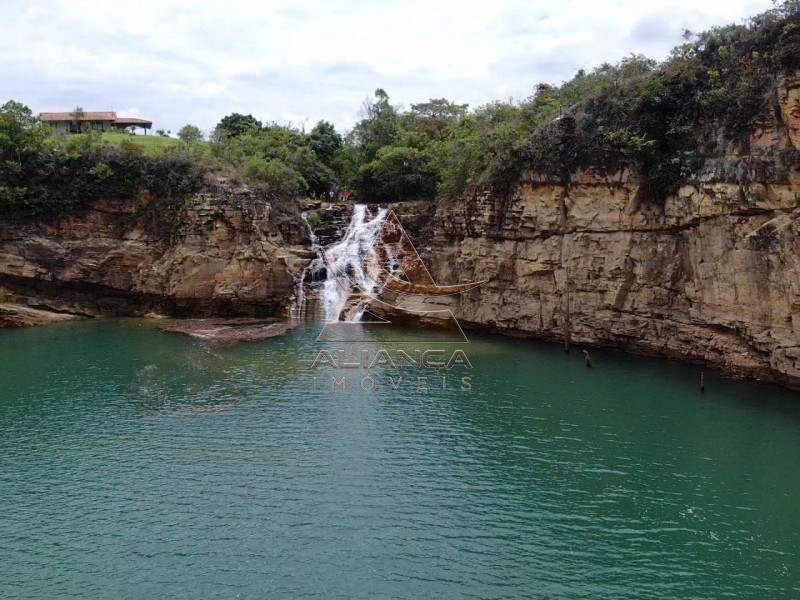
{"x": 228, "y": 253}
{"x": 713, "y": 275}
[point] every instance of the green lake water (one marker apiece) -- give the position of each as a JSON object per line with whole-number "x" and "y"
{"x": 136, "y": 463}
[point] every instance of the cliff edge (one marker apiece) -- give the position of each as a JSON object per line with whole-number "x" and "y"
{"x": 226, "y": 251}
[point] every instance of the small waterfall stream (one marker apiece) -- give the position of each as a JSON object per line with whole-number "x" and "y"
{"x": 334, "y": 294}
{"x": 310, "y": 271}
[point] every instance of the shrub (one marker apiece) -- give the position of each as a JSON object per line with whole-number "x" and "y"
{"x": 274, "y": 175}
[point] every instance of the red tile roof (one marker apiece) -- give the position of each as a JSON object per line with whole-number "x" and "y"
{"x": 126, "y": 121}
{"x": 87, "y": 116}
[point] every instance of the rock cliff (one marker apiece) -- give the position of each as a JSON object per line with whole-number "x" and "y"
{"x": 711, "y": 275}
{"x": 223, "y": 252}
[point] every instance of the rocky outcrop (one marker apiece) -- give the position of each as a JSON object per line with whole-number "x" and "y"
{"x": 328, "y": 220}
{"x": 15, "y": 315}
{"x": 789, "y": 103}
{"x": 712, "y": 275}
{"x": 229, "y": 332}
{"x": 225, "y": 252}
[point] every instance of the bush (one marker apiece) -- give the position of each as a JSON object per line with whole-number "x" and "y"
{"x": 278, "y": 178}
{"x": 65, "y": 176}
{"x": 662, "y": 120}
{"x": 396, "y": 174}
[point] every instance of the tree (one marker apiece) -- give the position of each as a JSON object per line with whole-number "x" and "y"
{"x": 318, "y": 177}
{"x": 377, "y": 128}
{"x": 397, "y": 174}
{"x": 190, "y": 133}
{"x": 77, "y": 115}
{"x": 345, "y": 164}
{"x": 787, "y": 8}
{"x": 236, "y": 124}
{"x": 20, "y": 132}
{"x": 458, "y": 158}
{"x": 436, "y": 117}
{"x": 325, "y": 141}
{"x": 439, "y": 108}
{"x": 279, "y": 178}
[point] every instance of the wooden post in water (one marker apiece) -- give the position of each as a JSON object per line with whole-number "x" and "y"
{"x": 563, "y": 206}
{"x": 567, "y": 324}
{"x": 702, "y": 382}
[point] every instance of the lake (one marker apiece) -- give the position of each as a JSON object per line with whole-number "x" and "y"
{"x": 138, "y": 463}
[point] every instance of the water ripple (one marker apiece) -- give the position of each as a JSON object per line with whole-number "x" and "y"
{"x": 163, "y": 470}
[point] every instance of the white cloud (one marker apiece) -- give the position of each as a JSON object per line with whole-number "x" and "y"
{"x": 182, "y": 61}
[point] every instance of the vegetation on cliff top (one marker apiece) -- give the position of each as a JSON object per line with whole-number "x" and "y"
{"x": 660, "y": 119}
{"x": 42, "y": 176}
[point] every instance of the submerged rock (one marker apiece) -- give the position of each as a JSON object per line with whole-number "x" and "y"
{"x": 16, "y": 315}
{"x": 229, "y": 332}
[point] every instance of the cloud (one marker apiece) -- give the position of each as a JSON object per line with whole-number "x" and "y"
{"x": 655, "y": 28}
{"x": 185, "y": 62}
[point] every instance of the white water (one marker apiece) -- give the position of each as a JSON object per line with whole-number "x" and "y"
{"x": 346, "y": 256}
{"x": 312, "y": 267}
{"x": 311, "y": 235}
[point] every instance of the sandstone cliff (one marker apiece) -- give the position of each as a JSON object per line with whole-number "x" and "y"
{"x": 225, "y": 252}
{"x": 712, "y": 275}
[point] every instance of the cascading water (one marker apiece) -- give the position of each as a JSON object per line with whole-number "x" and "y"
{"x": 312, "y": 237}
{"x": 345, "y": 257}
{"x": 309, "y": 271}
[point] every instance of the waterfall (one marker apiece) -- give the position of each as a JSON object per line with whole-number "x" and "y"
{"x": 346, "y": 256}
{"x": 311, "y": 235}
{"x": 309, "y": 272}
{"x": 334, "y": 294}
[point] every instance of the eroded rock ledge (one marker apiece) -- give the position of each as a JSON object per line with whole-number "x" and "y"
{"x": 16, "y": 315}
{"x": 230, "y": 252}
{"x": 712, "y": 276}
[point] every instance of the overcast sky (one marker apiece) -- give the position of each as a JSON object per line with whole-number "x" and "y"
{"x": 177, "y": 62}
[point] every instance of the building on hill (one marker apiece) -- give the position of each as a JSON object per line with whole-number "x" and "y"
{"x": 64, "y": 122}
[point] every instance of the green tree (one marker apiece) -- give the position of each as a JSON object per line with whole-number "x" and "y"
{"x": 325, "y": 141}
{"x": 190, "y": 133}
{"x": 318, "y": 177}
{"x": 345, "y": 164}
{"x": 20, "y": 132}
{"x": 458, "y": 159}
{"x": 439, "y": 108}
{"x": 397, "y": 174}
{"x": 377, "y": 128}
{"x": 77, "y": 116}
{"x": 236, "y": 124}
{"x": 276, "y": 176}
{"x": 435, "y": 118}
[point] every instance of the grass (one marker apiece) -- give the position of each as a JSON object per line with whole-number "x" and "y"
{"x": 152, "y": 145}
